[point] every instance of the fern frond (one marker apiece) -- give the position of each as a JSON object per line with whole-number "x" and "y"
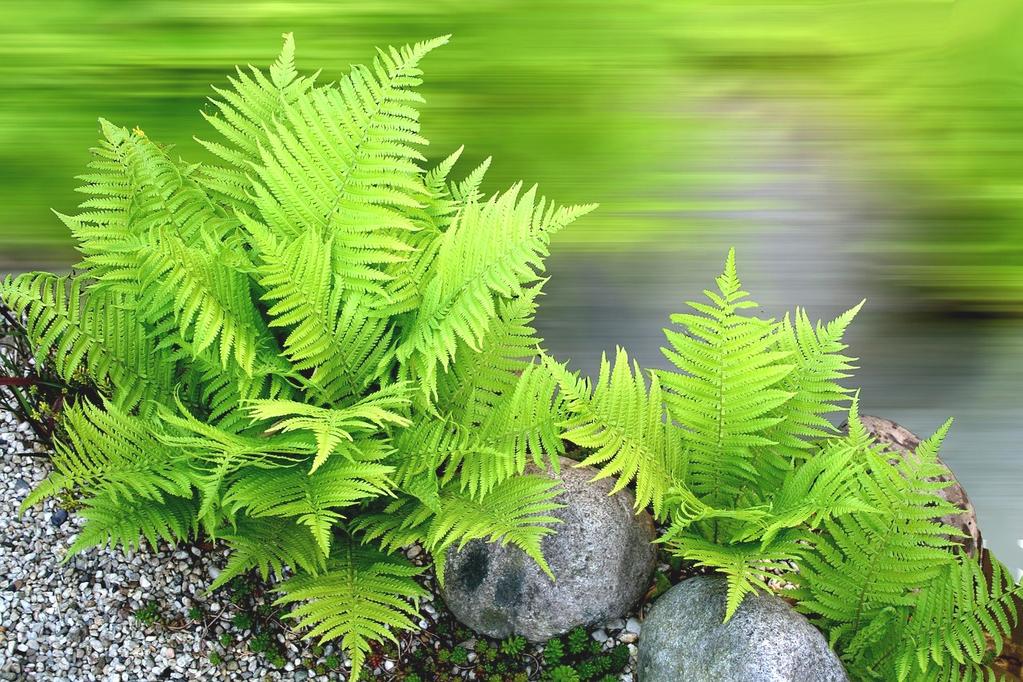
{"x": 824, "y": 487}
{"x": 363, "y": 597}
{"x": 455, "y": 451}
{"x": 206, "y": 292}
{"x": 864, "y": 562}
{"x": 217, "y": 392}
{"x": 216, "y": 452}
{"x": 95, "y": 330}
{"x": 747, "y": 567}
{"x": 332, "y": 427}
{"x": 111, "y": 522}
{"x": 494, "y": 249}
{"x": 104, "y": 449}
{"x": 467, "y": 191}
{"x": 953, "y": 618}
{"x": 269, "y": 544}
{"x": 728, "y": 389}
{"x": 402, "y": 522}
{"x": 312, "y": 499}
{"x": 818, "y": 365}
{"x": 624, "y": 424}
{"x": 136, "y": 190}
{"x": 299, "y": 283}
{"x": 441, "y": 205}
{"x": 330, "y": 331}
{"x": 516, "y": 511}
{"x": 342, "y": 160}
{"x": 478, "y": 379}
{"x": 527, "y": 420}
{"x": 243, "y": 117}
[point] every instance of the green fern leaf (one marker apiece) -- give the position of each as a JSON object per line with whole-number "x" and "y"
{"x": 728, "y": 390}
{"x": 332, "y": 427}
{"x": 363, "y": 597}
{"x": 105, "y": 449}
{"x": 314, "y": 500}
{"x": 495, "y": 249}
{"x": 110, "y": 522}
{"x": 269, "y": 545}
{"x": 624, "y": 424}
{"x": 98, "y": 331}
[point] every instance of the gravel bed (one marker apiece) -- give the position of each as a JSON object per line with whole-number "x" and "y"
{"x": 76, "y": 621}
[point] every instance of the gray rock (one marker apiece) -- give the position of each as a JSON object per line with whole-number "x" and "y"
{"x": 601, "y": 556}
{"x": 903, "y": 442}
{"x": 765, "y": 641}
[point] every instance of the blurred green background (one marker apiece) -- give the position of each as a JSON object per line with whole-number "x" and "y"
{"x": 847, "y": 148}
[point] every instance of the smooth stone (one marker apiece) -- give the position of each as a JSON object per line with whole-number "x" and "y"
{"x": 765, "y": 641}
{"x": 903, "y": 442}
{"x": 58, "y": 517}
{"x": 601, "y": 555}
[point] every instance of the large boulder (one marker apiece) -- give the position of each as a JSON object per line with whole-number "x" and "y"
{"x": 601, "y": 556}
{"x": 903, "y": 442}
{"x": 765, "y": 641}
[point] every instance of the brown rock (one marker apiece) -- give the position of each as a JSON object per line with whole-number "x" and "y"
{"x": 901, "y": 441}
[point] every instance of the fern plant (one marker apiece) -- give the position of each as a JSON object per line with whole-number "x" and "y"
{"x": 311, "y": 348}
{"x": 733, "y": 452}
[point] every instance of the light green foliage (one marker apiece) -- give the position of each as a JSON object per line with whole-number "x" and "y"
{"x": 623, "y": 423}
{"x": 733, "y": 452}
{"x": 359, "y": 599}
{"x": 514, "y": 645}
{"x": 313, "y": 349}
{"x": 563, "y": 673}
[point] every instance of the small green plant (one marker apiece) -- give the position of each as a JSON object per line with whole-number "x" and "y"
{"x": 514, "y": 645}
{"x": 149, "y": 614}
{"x": 226, "y": 639}
{"x": 459, "y": 655}
{"x": 332, "y": 661}
{"x": 563, "y": 673}
{"x": 619, "y": 656}
{"x": 586, "y": 670}
{"x": 578, "y": 640}
{"x": 259, "y": 643}
{"x": 553, "y": 652}
{"x": 195, "y": 613}
{"x": 242, "y": 620}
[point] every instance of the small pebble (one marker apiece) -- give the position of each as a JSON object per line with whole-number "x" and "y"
{"x": 58, "y": 517}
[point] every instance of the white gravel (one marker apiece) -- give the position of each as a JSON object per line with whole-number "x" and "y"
{"x": 76, "y": 622}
